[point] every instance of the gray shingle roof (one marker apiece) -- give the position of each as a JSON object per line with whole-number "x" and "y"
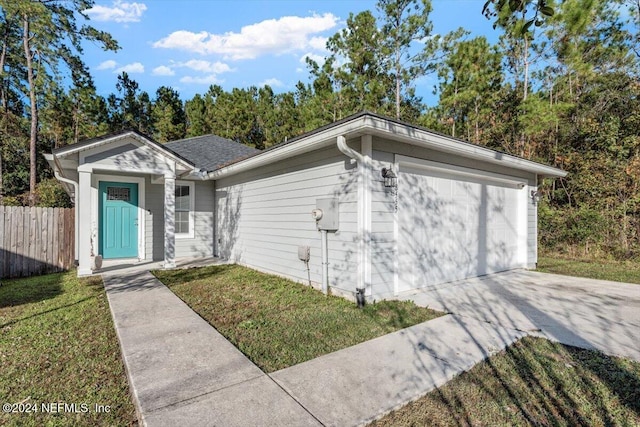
{"x": 210, "y": 152}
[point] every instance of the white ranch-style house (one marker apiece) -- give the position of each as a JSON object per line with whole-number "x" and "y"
{"x": 367, "y": 204}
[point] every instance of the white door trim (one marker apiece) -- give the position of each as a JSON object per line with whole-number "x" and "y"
{"x": 95, "y": 180}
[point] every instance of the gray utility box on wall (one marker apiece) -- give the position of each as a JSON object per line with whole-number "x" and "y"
{"x": 328, "y": 219}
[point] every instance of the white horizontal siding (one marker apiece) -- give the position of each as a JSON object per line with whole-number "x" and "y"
{"x": 265, "y": 215}
{"x": 382, "y": 230}
{"x": 201, "y": 245}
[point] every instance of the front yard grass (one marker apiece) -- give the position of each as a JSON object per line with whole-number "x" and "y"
{"x": 617, "y": 271}
{"x": 278, "y": 323}
{"x": 533, "y": 382}
{"x": 58, "y": 346}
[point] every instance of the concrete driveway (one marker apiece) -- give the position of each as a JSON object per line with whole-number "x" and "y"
{"x": 586, "y": 313}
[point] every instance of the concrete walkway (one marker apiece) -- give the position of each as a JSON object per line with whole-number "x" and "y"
{"x": 587, "y": 313}
{"x": 183, "y": 372}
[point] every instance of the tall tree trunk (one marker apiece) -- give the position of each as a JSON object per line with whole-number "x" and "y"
{"x": 34, "y": 111}
{"x": 5, "y": 107}
{"x": 398, "y": 59}
{"x": 526, "y": 68}
{"x": 1, "y": 182}
{"x": 455, "y": 105}
{"x": 76, "y": 124}
{"x": 477, "y": 126}
{"x": 3, "y": 56}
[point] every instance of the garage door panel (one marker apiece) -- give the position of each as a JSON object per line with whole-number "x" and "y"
{"x": 451, "y": 228}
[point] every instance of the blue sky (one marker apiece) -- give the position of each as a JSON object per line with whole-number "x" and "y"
{"x": 191, "y": 44}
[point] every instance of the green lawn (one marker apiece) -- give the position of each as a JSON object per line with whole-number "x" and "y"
{"x": 618, "y": 271}
{"x": 278, "y": 323}
{"x": 58, "y": 346}
{"x": 533, "y": 382}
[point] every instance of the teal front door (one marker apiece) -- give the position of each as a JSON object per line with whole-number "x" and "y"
{"x": 118, "y": 220}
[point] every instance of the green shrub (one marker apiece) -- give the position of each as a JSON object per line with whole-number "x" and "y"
{"x": 12, "y": 201}
{"x": 570, "y": 226}
{"x": 50, "y": 194}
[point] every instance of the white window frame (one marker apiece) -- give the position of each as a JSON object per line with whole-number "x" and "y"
{"x": 192, "y": 206}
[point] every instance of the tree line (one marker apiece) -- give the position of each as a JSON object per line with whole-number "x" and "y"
{"x": 559, "y": 86}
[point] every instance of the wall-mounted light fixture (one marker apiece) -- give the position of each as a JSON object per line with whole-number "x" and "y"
{"x": 535, "y": 195}
{"x": 390, "y": 178}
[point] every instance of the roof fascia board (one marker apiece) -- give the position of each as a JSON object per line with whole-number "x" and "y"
{"x": 390, "y": 130}
{"x": 76, "y": 148}
{"x": 437, "y": 142}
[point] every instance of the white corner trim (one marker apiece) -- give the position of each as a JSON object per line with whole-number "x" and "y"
{"x": 95, "y": 180}
{"x": 192, "y": 207}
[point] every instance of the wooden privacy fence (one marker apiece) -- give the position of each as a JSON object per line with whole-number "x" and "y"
{"x": 35, "y": 240}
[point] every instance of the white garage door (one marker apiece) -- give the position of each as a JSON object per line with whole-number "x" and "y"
{"x": 456, "y": 225}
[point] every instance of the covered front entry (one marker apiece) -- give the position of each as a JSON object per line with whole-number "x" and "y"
{"x": 118, "y": 220}
{"x": 456, "y": 223}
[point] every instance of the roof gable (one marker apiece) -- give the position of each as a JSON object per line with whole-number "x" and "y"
{"x": 140, "y": 138}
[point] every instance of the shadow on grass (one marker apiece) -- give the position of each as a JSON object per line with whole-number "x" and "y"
{"x": 40, "y": 313}
{"x": 177, "y": 276}
{"x": 394, "y": 313}
{"x": 37, "y": 289}
{"x": 16, "y": 292}
{"x": 533, "y": 382}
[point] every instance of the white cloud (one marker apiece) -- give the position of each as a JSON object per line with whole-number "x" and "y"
{"x": 206, "y": 66}
{"x": 210, "y": 79}
{"x": 107, "y": 65}
{"x": 163, "y": 70}
{"x": 319, "y": 59}
{"x": 273, "y": 82}
{"x": 134, "y": 68}
{"x": 273, "y": 36}
{"x": 184, "y": 40}
{"x": 119, "y": 12}
{"x": 318, "y": 43}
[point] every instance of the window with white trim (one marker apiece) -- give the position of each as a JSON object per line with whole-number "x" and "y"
{"x": 184, "y": 209}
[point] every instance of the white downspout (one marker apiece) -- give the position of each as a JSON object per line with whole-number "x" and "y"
{"x": 348, "y": 151}
{"x": 364, "y": 211}
{"x": 59, "y": 177}
{"x": 341, "y": 143}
